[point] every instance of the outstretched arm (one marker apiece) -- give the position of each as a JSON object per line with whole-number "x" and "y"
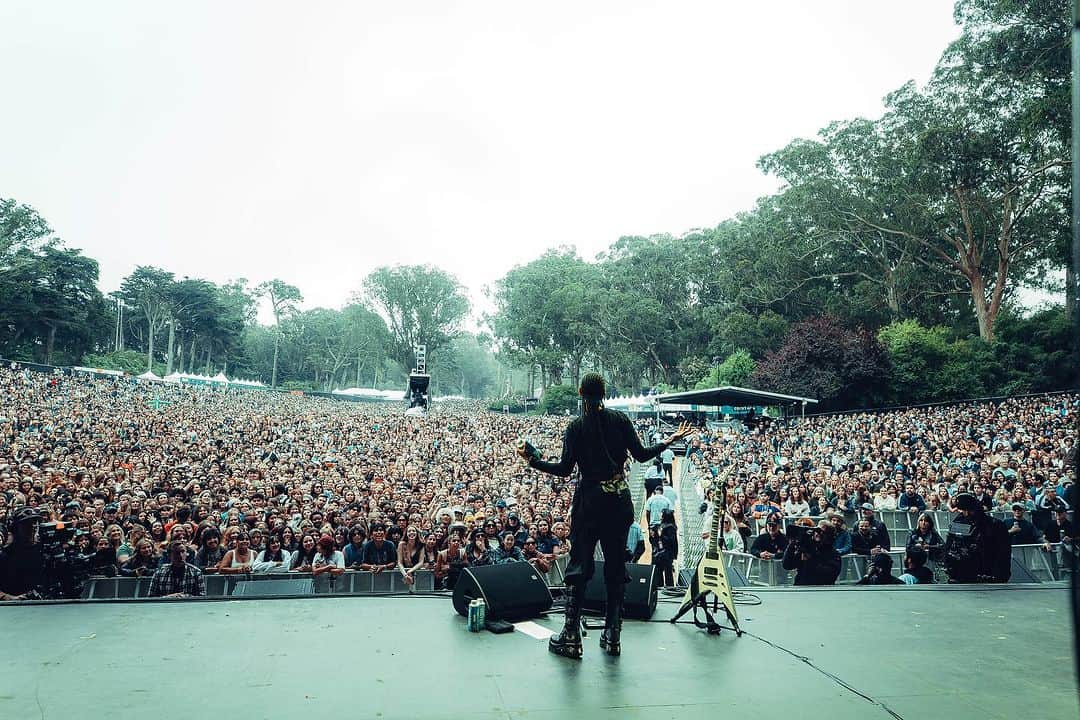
{"x": 561, "y": 468}
{"x": 643, "y": 454}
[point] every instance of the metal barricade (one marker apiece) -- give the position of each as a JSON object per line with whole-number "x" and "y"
{"x": 768, "y": 572}
{"x": 1043, "y": 564}
{"x": 556, "y": 576}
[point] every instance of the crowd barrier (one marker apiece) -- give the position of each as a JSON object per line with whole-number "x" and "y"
{"x": 899, "y": 523}
{"x": 1044, "y": 565}
{"x": 351, "y": 582}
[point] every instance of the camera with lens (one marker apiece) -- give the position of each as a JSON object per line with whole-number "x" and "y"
{"x": 802, "y": 537}
{"x": 66, "y": 569}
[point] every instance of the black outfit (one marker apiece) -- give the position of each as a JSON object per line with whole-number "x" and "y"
{"x": 922, "y": 574}
{"x": 598, "y": 444}
{"x": 862, "y": 544}
{"x": 933, "y": 541}
{"x": 22, "y": 569}
{"x": 977, "y": 550}
{"x": 1055, "y": 532}
{"x": 880, "y": 578}
{"x": 822, "y": 567}
{"x": 664, "y": 556}
{"x": 371, "y": 554}
{"x": 881, "y": 534}
{"x": 766, "y": 542}
{"x": 1028, "y": 534}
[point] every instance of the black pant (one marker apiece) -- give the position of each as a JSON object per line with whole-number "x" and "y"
{"x": 603, "y": 518}
{"x": 665, "y": 570}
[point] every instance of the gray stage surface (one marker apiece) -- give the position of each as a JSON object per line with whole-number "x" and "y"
{"x": 985, "y": 653}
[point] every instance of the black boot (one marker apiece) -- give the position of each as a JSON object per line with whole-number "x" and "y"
{"x": 568, "y": 642}
{"x": 610, "y": 638}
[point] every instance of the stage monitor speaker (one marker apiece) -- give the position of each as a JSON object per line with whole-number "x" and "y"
{"x": 639, "y": 595}
{"x": 512, "y": 591}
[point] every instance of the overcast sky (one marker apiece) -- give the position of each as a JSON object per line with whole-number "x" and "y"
{"x": 317, "y": 141}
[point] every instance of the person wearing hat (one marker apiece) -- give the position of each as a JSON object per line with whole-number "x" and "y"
{"x": 1020, "y": 529}
{"x": 22, "y": 563}
{"x": 598, "y": 443}
{"x": 813, "y": 556}
{"x": 770, "y": 543}
{"x": 977, "y": 549}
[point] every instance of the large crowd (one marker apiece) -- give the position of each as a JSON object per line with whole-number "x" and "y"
{"x": 1015, "y": 458}
{"x": 239, "y": 481}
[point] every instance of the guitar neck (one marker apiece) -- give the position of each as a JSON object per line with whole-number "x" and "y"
{"x": 719, "y": 506}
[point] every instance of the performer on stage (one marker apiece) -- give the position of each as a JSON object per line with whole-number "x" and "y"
{"x": 597, "y": 442}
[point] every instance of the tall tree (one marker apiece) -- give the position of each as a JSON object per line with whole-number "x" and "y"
{"x": 284, "y": 299}
{"x": 421, "y": 304}
{"x": 149, "y": 290}
{"x": 66, "y": 299}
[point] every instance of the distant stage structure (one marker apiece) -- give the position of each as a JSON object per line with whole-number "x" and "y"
{"x": 419, "y": 380}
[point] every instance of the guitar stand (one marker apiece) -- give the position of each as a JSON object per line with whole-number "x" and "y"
{"x": 701, "y": 601}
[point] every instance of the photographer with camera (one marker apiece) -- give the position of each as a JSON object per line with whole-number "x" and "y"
{"x": 22, "y": 563}
{"x": 810, "y": 551}
{"x": 879, "y": 571}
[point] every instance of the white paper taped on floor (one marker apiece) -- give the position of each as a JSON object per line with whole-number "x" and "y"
{"x": 533, "y": 630}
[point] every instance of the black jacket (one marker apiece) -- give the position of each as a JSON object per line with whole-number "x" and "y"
{"x": 765, "y": 542}
{"x": 935, "y": 544}
{"x": 822, "y": 567}
{"x": 978, "y": 551}
{"x": 598, "y": 445}
{"x": 1028, "y": 534}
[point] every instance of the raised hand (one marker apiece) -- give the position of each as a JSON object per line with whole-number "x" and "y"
{"x": 683, "y": 431}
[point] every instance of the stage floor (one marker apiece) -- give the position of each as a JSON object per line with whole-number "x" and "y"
{"x": 1002, "y": 652}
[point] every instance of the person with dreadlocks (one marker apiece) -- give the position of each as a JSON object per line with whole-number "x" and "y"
{"x": 598, "y": 443}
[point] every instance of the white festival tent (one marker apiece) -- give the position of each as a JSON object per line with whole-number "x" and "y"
{"x": 219, "y": 379}
{"x": 372, "y": 393}
{"x": 149, "y": 375}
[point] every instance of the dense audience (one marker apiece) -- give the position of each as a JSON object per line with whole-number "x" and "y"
{"x": 1014, "y": 456}
{"x": 162, "y": 477}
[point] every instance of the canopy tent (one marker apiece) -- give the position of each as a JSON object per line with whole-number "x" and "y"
{"x": 372, "y": 393}
{"x": 219, "y": 379}
{"x": 149, "y": 375}
{"x": 733, "y": 396}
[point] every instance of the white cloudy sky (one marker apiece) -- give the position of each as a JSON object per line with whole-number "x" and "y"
{"x": 317, "y": 141}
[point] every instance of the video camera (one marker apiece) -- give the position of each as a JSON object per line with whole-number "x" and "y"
{"x": 802, "y": 537}
{"x": 66, "y": 569}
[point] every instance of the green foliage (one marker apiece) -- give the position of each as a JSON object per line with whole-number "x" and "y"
{"x": 464, "y": 367}
{"x": 735, "y": 370}
{"x": 558, "y": 399}
{"x": 693, "y": 370}
{"x": 304, "y": 386}
{"x": 1030, "y": 355}
{"x": 129, "y": 361}
{"x": 758, "y": 333}
{"x": 421, "y": 304}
